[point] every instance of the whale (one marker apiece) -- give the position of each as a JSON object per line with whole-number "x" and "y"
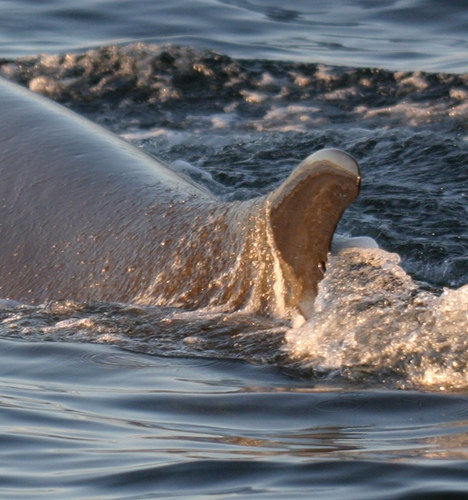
{"x": 86, "y": 216}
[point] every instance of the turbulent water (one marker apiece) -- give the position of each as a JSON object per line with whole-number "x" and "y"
{"x": 394, "y": 315}
{"x": 368, "y": 398}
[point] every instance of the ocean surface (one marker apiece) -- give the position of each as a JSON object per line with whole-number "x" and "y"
{"x": 369, "y": 397}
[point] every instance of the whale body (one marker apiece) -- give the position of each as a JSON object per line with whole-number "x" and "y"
{"x": 86, "y": 216}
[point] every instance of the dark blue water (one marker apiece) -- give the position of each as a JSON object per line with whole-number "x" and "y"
{"x": 368, "y": 399}
{"x": 90, "y": 421}
{"x": 393, "y": 34}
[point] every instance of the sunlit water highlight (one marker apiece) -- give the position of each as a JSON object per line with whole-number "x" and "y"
{"x": 125, "y": 401}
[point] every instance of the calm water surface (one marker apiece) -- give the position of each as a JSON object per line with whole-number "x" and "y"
{"x": 366, "y": 400}
{"x": 88, "y": 421}
{"x": 396, "y": 34}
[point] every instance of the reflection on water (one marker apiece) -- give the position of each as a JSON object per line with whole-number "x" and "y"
{"x": 120, "y": 423}
{"x": 123, "y": 401}
{"x": 419, "y": 34}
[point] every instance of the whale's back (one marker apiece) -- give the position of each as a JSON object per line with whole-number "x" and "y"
{"x": 87, "y": 216}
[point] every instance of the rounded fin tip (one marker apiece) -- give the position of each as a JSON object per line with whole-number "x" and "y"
{"x": 338, "y": 158}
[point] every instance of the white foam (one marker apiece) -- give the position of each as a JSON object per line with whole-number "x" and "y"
{"x": 370, "y": 316}
{"x": 191, "y": 170}
{"x": 341, "y": 242}
{"x": 172, "y": 137}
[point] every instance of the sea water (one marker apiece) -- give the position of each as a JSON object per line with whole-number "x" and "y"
{"x": 368, "y": 398}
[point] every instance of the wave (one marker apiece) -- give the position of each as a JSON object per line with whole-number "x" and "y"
{"x": 152, "y": 86}
{"x": 394, "y": 315}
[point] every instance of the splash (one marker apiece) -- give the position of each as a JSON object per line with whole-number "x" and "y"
{"x": 246, "y": 123}
{"x": 372, "y": 322}
{"x": 372, "y": 326}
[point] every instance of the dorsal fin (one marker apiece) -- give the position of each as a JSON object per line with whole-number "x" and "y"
{"x": 304, "y": 213}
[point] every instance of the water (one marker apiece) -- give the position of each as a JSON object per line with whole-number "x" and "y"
{"x": 120, "y": 425}
{"x": 366, "y": 399}
{"x": 395, "y": 34}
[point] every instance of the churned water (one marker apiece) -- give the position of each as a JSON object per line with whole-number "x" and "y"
{"x": 368, "y": 398}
